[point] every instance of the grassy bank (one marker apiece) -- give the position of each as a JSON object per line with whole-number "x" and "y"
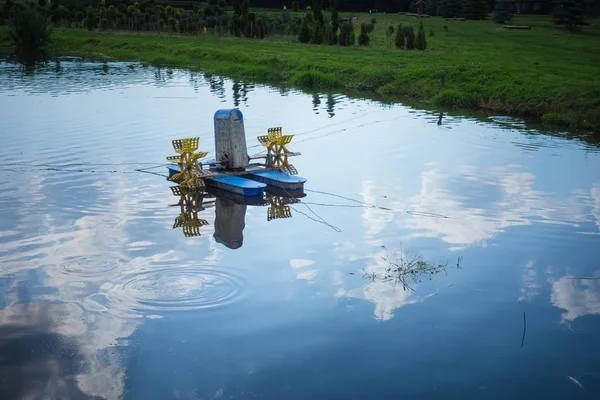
{"x": 544, "y": 73}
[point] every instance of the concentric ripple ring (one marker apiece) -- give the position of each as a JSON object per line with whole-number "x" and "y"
{"x": 177, "y": 289}
{"x": 87, "y": 266}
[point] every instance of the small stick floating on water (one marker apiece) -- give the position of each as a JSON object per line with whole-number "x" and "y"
{"x": 575, "y": 381}
{"x": 524, "y": 328}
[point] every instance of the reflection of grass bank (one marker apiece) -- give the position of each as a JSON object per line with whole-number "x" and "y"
{"x": 544, "y": 73}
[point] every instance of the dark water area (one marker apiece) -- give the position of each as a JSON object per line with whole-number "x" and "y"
{"x": 102, "y": 298}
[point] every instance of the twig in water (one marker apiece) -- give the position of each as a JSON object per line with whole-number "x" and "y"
{"x": 524, "y": 328}
{"x": 586, "y": 278}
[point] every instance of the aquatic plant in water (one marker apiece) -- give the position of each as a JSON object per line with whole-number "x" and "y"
{"x": 407, "y": 271}
{"x": 30, "y": 32}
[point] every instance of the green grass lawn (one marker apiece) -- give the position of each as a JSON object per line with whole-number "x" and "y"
{"x": 543, "y": 73}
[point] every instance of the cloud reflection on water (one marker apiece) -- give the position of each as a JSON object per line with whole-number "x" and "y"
{"x": 577, "y": 297}
{"x": 518, "y": 204}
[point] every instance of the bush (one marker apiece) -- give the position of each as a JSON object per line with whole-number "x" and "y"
{"x": 411, "y": 39}
{"x": 295, "y": 5}
{"x": 332, "y": 35}
{"x": 79, "y": 16}
{"x": 295, "y": 27}
{"x": 453, "y": 98}
{"x": 30, "y": 32}
{"x": 58, "y": 14}
{"x": 552, "y": 117}
{"x": 309, "y": 18}
{"x": 260, "y": 28}
{"x": 236, "y": 26}
{"x": 373, "y": 21}
{"x": 90, "y": 19}
{"x": 5, "y": 10}
{"x": 304, "y": 35}
{"x": 421, "y": 41}
{"x": 370, "y": 28}
{"x": 363, "y": 38}
{"x": 314, "y": 79}
{"x": 569, "y": 13}
{"x": 317, "y": 12}
{"x": 346, "y": 33}
{"x": 317, "y": 35}
{"x": 399, "y": 39}
{"x": 389, "y": 32}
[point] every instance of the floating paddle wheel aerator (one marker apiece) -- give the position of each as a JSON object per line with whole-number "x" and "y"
{"x": 277, "y": 153}
{"x": 188, "y": 161}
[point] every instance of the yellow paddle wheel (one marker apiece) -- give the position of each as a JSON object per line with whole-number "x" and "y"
{"x": 190, "y": 175}
{"x": 277, "y": 153}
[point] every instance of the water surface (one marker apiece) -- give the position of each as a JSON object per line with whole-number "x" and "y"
{"x": 102, "y": 298}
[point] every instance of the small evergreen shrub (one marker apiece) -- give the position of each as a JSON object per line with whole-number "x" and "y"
{"x": 90, "y": 19}
{"x": 332, "y": 35}
{"x": 411, "y": 39}
{"x": 236, "y": 26}
{"x": 304, "y": 35}
{"x": 389, "y": 32}
{"x": 317, "y": 35}
{"x": 363, "y": 38}
{"x": 399, "y": 39}
{"x": 421, "y": 41}
{"x": 346, "y": 32}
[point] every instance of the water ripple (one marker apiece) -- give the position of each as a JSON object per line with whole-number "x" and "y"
{"x": 87, "y": 266}
{"x": 178, "y": 289}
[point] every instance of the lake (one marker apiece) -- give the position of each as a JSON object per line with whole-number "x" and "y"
{"x": 102, "y": 297}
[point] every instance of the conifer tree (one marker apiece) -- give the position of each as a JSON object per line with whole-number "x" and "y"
{"x": 503, "y": 11}
{"x": 363, "y": 38}
{"x": 570, "y": 13}
{"x": 399, "y": 39}
{"x": 474, "y": 9}
{"x": 421, "y": 41}
{"x": 449, "y": 8}
{"x": 304, "y": 35}
{"x": 411, "y": 39}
